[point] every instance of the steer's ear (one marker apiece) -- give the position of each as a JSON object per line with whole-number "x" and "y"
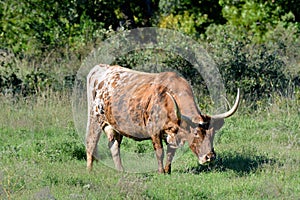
{"x": 217, "y": 123}
{"x": 208, "y": 122}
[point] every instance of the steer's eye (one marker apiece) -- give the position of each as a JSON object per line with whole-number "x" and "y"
{"x": 197, "y": 132}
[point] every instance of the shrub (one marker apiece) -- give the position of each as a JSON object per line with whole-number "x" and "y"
{"x": 259, "y": 69}
{"x": 34, "y": 27}
{"x": 17, "y": 77}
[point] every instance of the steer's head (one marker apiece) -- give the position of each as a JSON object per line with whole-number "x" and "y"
{"x": 199, "y": 132}
{"x": 201, "y": 137}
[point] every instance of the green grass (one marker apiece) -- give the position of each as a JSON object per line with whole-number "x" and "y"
{"x": 42, "y": 157}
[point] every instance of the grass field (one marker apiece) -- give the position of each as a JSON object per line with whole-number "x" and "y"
{"x": 42, "y": 157}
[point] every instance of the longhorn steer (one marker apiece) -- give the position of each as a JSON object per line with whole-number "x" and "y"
{"x": 144, "y": 106}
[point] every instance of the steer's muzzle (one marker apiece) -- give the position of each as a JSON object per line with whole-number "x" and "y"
{"x": 207, "y": 158}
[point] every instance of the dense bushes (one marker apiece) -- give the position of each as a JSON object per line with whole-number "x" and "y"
{"x": 33, "y": 27}
{"x": 255, "y": 43}
{"x": 258, "y": 68}
{"x": 24, "y": 77}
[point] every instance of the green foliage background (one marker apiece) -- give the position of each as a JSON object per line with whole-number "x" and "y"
{"x": 254, "y": 43}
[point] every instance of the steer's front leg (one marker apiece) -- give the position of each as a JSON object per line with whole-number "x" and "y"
{"x": 170, "y": 156}
{"x": 157, "y": 144}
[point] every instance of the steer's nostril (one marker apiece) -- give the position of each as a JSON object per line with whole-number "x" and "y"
{"x": 210, "y": 157}
{"x": 206, "y": 157}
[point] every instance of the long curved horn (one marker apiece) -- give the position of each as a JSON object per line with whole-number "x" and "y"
{"x": 231, "y": 111}
{"x": 177, "y": 110}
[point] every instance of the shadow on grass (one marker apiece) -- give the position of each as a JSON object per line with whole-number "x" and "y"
{"x": 241, "y": 164}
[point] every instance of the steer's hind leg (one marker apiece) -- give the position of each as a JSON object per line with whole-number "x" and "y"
{"x": 92, "y": 138}
{"x": 114, "y": 142}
